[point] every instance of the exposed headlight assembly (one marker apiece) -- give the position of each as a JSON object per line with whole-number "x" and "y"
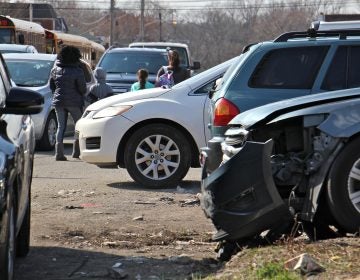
{"x": 111, "y": 111}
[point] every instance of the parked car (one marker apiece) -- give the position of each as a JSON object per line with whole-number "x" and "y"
{"x": 32, "y": 71}
{"x": 294, "y": 64}
{"x": 293, "y": 161}
{"x": 182, "y": 49}
{"x": 16, "y": 48}
{"x": 121, "y": 65}
{"x": 155, "y": 133}
{"x": 17, "y": 143}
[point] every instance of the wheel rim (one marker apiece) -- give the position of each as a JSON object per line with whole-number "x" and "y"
{"x": 11, "y": 250}
{"x": 51, "y": 132}
{"x": 354, "y": 185}
{"x": 157, "y": 157}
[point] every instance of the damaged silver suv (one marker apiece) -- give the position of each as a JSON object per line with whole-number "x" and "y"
{"x": 294, "y": 161}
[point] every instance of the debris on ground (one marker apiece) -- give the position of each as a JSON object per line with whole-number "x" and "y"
{"x": 73, "y": 207}
{"x": 305, "y": 264}
{"x": 190, "y": 202}
{"x": 144, "y": 202}
{"x": 65, "y": 193}
{"x": 139, "y": 218}
{"x": 168, "y": 200}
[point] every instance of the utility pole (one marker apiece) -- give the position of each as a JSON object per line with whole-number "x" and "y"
{"x": 160, "y": 27}
{"x": 112, "y": 11}
{"x": 31, "y": 12}
{"x": 142, "y": 32}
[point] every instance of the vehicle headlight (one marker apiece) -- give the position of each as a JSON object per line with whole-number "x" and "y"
{"x": 111, "y": 111}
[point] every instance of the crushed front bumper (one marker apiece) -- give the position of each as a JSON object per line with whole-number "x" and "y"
{"x": 240, "y": 196}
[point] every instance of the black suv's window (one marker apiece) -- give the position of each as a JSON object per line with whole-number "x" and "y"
{"x": 290, "y": 68}
{"x": 131, "y": 62}
{"x": 344, "y": 71}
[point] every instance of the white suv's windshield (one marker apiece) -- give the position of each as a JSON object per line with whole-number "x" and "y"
{"x": 30, "y": 73}
{"x": 131, "y": 62}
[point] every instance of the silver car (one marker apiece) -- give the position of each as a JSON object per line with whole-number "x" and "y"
{"x": 32, "y": 71}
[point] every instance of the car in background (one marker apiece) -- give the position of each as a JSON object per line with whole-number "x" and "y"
{"x": 32, "y": 71}
{"x": 293, "y": 161}
{"x": 155, "y": 134}
{"x": 16, "y": 48}
{"x": 294, "y": 64}
{"x": 122, "y": 64}
{"x": 17, "y": 144}
{"x": 182, "y": 49}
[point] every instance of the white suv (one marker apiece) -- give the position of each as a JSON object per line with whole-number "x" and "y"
{"x": 154, "y": 133}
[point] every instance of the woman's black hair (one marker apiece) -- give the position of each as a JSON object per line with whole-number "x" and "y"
{"x": 174, "y": 58}
{"x": 69, "y": 55}
{"x": 143, "y": 75}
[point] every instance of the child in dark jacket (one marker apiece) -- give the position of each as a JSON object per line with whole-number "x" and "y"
{"x": 101, "y": 89}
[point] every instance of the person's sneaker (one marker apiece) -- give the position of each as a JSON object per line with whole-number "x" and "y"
{"x": 60, "y": 158}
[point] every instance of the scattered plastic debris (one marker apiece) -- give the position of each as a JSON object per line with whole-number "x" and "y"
{"x": 139, "y": 218}
{"x": 305, "y": 264}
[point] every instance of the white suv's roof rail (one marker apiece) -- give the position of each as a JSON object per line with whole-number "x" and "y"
{"x": 335, "y": 25}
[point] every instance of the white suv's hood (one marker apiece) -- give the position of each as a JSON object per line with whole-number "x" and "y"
{"x": 127, "y": 97}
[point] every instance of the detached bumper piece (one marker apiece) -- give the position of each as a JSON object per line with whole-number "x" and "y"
{"x": 240, "y": 196}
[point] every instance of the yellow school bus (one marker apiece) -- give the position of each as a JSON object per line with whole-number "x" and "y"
{"x": 17, "y": 31}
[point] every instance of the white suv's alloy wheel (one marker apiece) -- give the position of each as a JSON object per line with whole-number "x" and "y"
{"x": 157, "y": 157}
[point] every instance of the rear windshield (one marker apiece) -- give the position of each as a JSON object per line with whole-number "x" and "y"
{"x": 131, "y": 62}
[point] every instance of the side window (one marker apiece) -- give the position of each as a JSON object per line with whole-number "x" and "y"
{"x": 344, "y": 71}
{"x": 206, "y": 88}
{"x": 354, "y": 67}
{"x": 335, "y": 78}
{"x": 289, "y": 68}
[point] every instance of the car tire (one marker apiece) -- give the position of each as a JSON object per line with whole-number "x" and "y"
{"x": 7, "y": 235}
{"x": 343, "y": 188}
{"x": 23, "y": 238}
{"x": 157, "y": 155}
{"x": 48, "y": 139}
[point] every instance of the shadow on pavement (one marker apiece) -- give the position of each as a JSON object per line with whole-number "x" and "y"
{"x": 58, "y": 263}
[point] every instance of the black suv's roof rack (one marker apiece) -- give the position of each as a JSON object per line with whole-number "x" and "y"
{"x": 312, "y": 33}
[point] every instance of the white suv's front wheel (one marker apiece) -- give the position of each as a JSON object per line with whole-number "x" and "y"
{"x": 157, "y": 155}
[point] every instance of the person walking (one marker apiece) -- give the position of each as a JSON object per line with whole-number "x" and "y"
{"x": 173, "y": 71}
{"x": 142, "y": 83}
{"x": 69, "y": 87}
{"x": 100, "y": 89}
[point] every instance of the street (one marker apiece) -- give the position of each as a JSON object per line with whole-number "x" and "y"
{"x": 85, "y": 220}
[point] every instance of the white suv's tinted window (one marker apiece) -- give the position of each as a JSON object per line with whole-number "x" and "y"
{"x": 344, "y": 71}
{"x": 290, "y": 68}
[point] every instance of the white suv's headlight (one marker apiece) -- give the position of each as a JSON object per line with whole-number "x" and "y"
{"x": 111, "y": 111}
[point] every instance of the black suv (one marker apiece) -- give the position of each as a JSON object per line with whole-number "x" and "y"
{"x": 294, "y": 64}
{"x": 17, "y": 143}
